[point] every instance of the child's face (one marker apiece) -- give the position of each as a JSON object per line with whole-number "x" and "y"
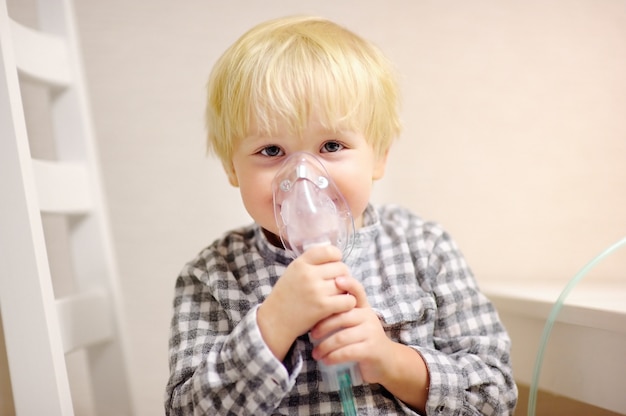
{"x": 350, "y": 160}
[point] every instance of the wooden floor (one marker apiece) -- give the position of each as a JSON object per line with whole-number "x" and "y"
{"x": 549, "y": 404}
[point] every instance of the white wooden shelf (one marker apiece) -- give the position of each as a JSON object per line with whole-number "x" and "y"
{"x": 586, "y": 354}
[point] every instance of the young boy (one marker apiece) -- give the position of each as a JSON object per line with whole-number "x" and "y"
{"x": 425, "y": 339}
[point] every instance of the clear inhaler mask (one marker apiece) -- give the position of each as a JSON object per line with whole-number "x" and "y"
{"x": 310, "y": 210}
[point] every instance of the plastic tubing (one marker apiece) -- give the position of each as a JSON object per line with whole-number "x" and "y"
{"x": 345, "y": 392}
{"x": 547, "y": 329}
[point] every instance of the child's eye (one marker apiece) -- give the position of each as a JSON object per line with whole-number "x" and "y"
{"x": 331, "y": 147}
{"x": 271, "y": 151}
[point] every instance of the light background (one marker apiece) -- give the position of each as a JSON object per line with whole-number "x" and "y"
{"x": 514, "y": 139}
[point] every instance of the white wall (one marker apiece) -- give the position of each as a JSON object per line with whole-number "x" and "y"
{"x": 515, "y": 135}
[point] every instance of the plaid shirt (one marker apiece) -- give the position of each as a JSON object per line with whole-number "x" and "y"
{"x": 416, "y": 280}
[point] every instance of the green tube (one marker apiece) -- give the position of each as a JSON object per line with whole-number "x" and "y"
{"x": 532, "y": 397}
{"x": 345, "y": 392}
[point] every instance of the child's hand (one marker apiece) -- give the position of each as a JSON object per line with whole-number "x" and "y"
{"x": 357, "y": 335}
{"x": 305, "y": 294}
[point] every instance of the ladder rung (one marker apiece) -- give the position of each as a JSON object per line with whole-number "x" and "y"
{"x": 41, "y": 56}
{"x": 85, "y": 319}
{"x": 62, "y": 187}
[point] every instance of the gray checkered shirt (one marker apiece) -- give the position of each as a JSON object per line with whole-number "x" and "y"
{"x": 416, "y": 280}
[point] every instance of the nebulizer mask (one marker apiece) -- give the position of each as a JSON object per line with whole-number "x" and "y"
{"x": 310, "y": 210}
{"x": 308, "y": 207}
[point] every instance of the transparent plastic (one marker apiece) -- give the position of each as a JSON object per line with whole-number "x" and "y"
{"x": 309, "y": 208}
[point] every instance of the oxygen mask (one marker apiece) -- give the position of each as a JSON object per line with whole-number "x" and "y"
{"x": 309, "y": 208}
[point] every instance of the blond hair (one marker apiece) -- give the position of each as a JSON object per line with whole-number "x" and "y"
{"x": 283, "y": 69}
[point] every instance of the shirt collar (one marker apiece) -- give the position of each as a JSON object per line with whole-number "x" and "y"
{"x": 365, "y": 235}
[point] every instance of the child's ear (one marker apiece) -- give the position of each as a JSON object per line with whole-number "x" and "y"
{"x": 379, "y": 166}
{"x": 230, "y": 172}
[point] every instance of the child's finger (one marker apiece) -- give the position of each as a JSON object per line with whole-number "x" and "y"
{"x": 320, "y": 254}
{"x": 355, "y": 288}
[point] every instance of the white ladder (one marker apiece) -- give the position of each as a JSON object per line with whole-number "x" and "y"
{"x": 39, "y": 329}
